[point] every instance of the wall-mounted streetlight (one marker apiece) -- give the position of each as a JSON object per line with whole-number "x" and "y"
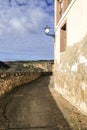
{"x": 47, "y": 31}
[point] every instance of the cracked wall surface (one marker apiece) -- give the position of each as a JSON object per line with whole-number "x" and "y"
{"x": 70, "y": 75}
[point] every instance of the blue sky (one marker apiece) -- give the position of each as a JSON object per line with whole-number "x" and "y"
{"x": 22, "y": 25}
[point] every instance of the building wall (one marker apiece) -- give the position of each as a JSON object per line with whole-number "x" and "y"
{"x": 76, "y": 18}
{"x": 70, "y": 75}
{"x": 75, "y": 22}
{"x": 70, "y": 69}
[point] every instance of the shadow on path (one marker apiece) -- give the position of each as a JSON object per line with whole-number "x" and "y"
{"x": 31, "y": 106}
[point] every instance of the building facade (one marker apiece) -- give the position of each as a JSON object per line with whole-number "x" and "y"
{"x": 70, "y": 69}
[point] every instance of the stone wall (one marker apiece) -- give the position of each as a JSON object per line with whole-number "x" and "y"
{"x": 70, "y": 75}
{"x": 10, "y": 80}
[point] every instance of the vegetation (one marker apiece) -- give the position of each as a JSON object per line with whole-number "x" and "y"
{"x": 26, "y": 66}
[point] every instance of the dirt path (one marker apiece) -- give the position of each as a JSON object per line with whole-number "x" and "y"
{"x": 35, "y": 106}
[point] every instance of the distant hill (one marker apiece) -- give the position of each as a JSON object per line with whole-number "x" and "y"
{"x": 4, "y": 65}
{"x": 27, "y": 66}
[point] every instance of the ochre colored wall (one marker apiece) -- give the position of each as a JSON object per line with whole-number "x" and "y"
{"x": 10, "y": 80}
{"x": 70, "y": 75}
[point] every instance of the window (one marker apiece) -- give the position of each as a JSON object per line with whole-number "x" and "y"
{"x": 61, "y": 6}
{"x": 63, "y": 37}
{"x": 57, "y": 11}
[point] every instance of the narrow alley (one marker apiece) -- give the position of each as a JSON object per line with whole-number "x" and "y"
{"x": 37, "y": 106}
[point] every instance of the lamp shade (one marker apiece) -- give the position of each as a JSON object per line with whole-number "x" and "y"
{"x": 47, "y": 29}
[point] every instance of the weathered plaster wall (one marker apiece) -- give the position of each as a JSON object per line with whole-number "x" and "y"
{"x": 11, "y": 80}
{"x": 70, "y": 75}
{"x": 75, "y": 17}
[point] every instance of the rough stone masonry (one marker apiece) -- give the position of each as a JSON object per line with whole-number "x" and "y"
{"x": 11, "y": 80}
{"x": 71, "y": 75}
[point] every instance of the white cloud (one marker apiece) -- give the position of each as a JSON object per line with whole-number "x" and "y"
{"x": 17, "y": 24}
{"x": 30, "y": 20}
{"x": 36, "y": 17}
{"x": 30, "y": 17}
{"x": 1, "y": 29}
